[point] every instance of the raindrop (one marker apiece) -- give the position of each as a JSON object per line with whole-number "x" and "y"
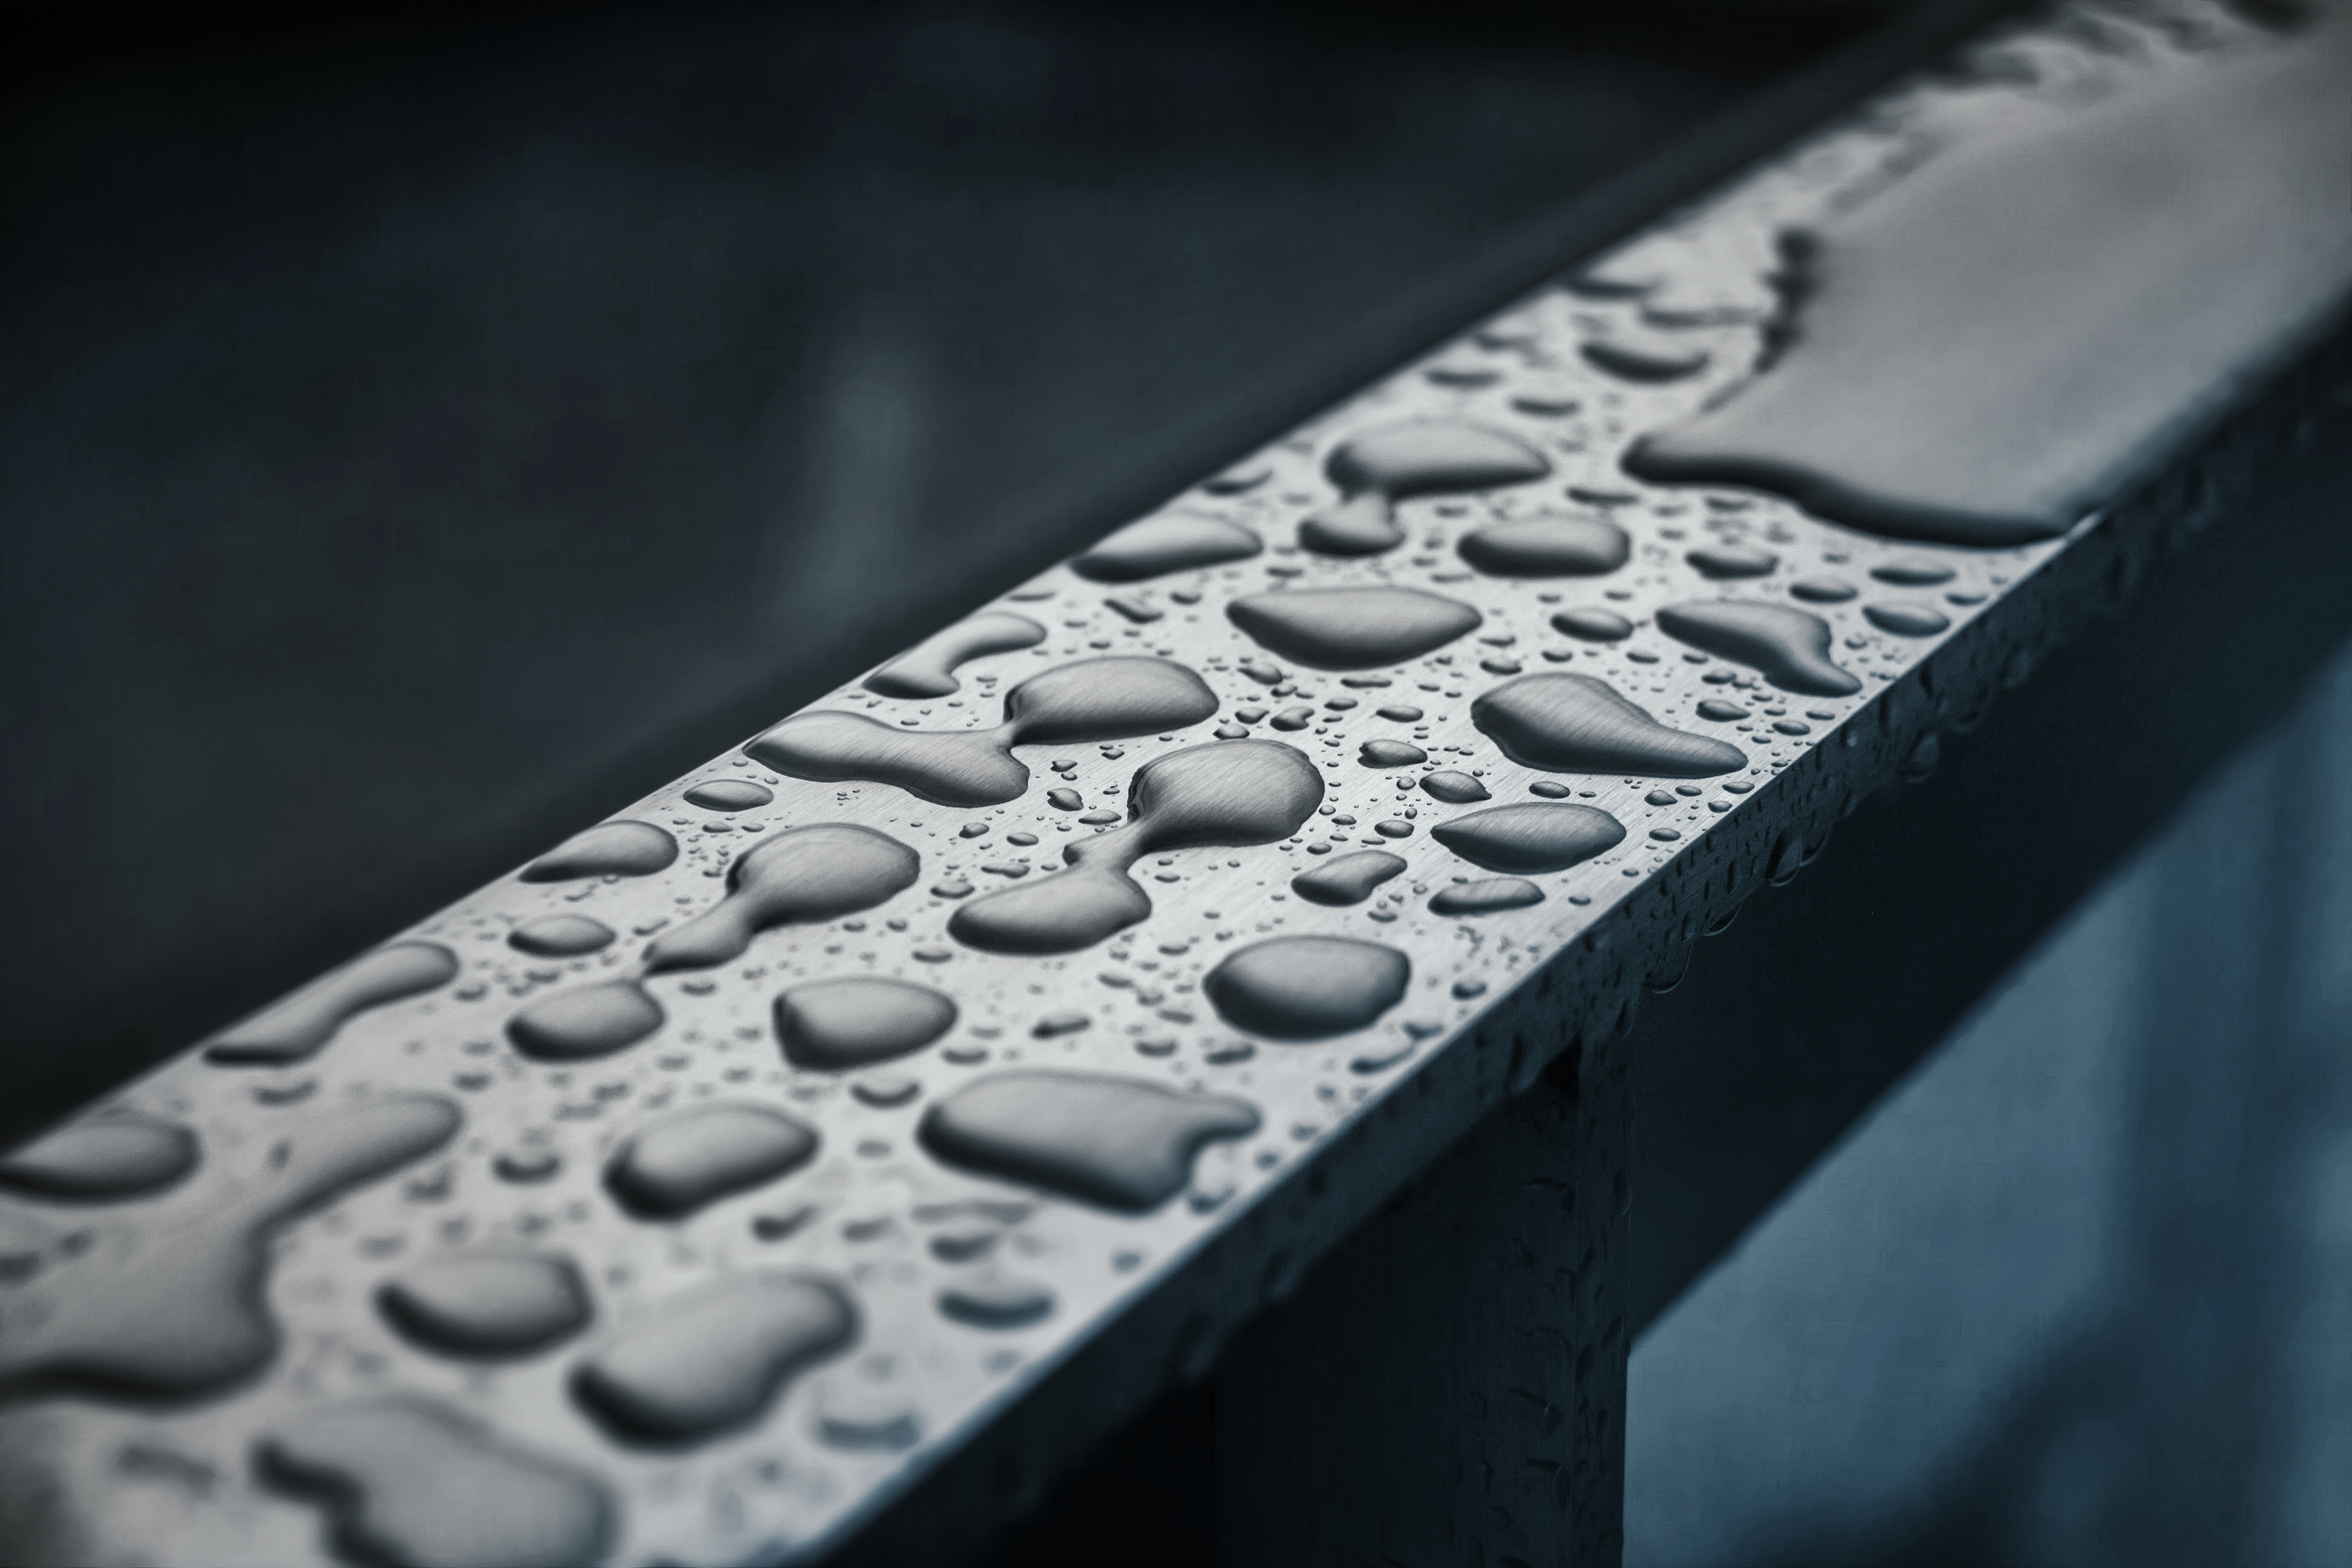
{"x": 1822, "y": 590}
{"x": 559, "y": 936}
{"x": 488, "y": 1304}
{"x": 1575, "y": 723}
{"x": 679, "y": 1162}
{"x": 1593, "y": 625}
{"x": 729, "y": 795}
{"x": 1721, "y": 561}
{"x": 1306, "y": 987}
{"x": 1454, "y": 787}
{"x": 1790, "y": 646}
{"x": 927, "y": 669}
{"x": 713, "y": 1358}
{"x": 997, "y": 1303}
{"x": 123, "y": 1155}
{"x": 1347, "y": 878}
{"x": 804, "y": 875}
{"x": 1642, "y": 365}
{"x": 289, "y": 1030}
{"x": 1389, "y": 754}
{"x": 1905, "y": 619}
{"x": 857, "y": 1020}
{"x": 1530, "y": 837}
{"x": 586, "y": 1021}
{"x": 1174, "y": 541}
{"x": 1912, "y": 570}
{"x": 1486, "y": 898}
{"x": 607, "y": 849}
{"x": 1352, "y": 628}
{"x": 1125, "y": 1144}
{"x": 1547, "y": 547}
{"x": 1377, "y": 467}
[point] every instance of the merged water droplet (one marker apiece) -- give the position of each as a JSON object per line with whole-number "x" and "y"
{"x": 1490, "y": 896}
{"x": 1790, "y": 646}
{"x": 607, "y": 849}
{"x": 1089, "y": 700}
{"x": 1547, "y": 547}
{"x": 685, "y": 1159}
{"x": 1172, "y": 541}
{"x": 289, "y": 1030}
{"x": 560, "y": 936}
{"x": 729, "y": 795}
{"x": 1306, "y": 987}
{"x": 1454, "y": 786}
{"x": 1592, "y": 625}
{"x": 586, "y": 1021}
{"x": 1575, "y": 723}
{"x": 103, "y": 1159}
{"x": 1122, "y": 1142}
{"x": 172, "y": 1304}
{"x": 1377, "y": 467}
{"x": 1232, "y": 793}
{"x": 857, "y": 1020}
{"x": 999, "y": 1304}
{"x": 714, "y": 1358}
{"x": 1352, "y": 628}
{"x": 488, "y": 1304}
{"x": 1907, "y": 620}
{"x": 1530, "y": 837}
{"x": 927, "y": 669}
{"x": 413, "y": 1481}
{"x": 1347, "y": 878}
{"x": 803, "y": 875}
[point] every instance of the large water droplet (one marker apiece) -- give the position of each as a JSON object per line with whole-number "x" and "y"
{"x": 1530, "y": 837}
{"x": 1822, "y": 590}
{"x": 1490, "y": 896}
{"x": 821, "y": 872}
{"x": 607, "y": 849}
{"x": 997, "y": 1304}
{"x": 729, "y": 795}
{"x": 1454, "y": 786}
{"x": 859, "y": 1019}
{"x": 412, "y": 1481}
{"x": 677, "y": 1162}
{"x": 1092, "y": 700}
{"x": 1628, "y": 363}
{"x": 1123, "y": 1142}
{"x": 1232, "y": 793}
{"x": 586, "y": 1021}
{"x": 1905, "y": 619}
{"x": 488, "y": 1304}
{"x": 173, "y": 1305}
{"x": 1173, "y": 542}
{"x": 1575, "y": 723}
{"x": 560, "y": 936}
{"x": 713, "y": 1358}
{"x": 1347, "y": 878}
{"x": 1388, "y": 463}
{"x": 1389, "y": 754}
{"x": 1721, "y": 561}
{"x": 1306, "y": 987}
{"x": 1791, "y": 646}
{"x": 927, "y": 669}
{"x": 1352, "y": 628}
{"x": 1593, "y": 625}
{"x": 1547, "y": 547}
{"x": 124, "y": 1155}
{"x": 293, "y": 1028}
{"x": 1912, "y": 570}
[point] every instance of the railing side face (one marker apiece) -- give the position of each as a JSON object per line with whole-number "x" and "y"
{"x": 533, "y": 1193}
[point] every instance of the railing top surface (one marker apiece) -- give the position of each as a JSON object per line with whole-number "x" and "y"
{"x": 523, "y": 1223}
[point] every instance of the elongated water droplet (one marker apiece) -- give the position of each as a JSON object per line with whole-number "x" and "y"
{"x": 586, "y": 1021}
{"x": 559, "y": 936}
{"x": 857, "y": 1020}
{"x": 1905, "y": 619}
{"x": 714, "y": 1358}
{"x": 488, "y": 1304}
{"x": 1306, "y": 987}
{"x": 1347, "y": 878}
{"x": 1593, "y": 625}
{"x": 821, "y": 872}
{"x": 1574, "y": 724}
{"x": 412, "y": 1481}
{"x": 1122, "y": 1142}
{"x": 1454, "y": 787}
{"x": 107, "y": 1158}
{"x": 1232, "y": 793}
{"x": 607, "y": 849}
{"x": 1490, "y": 896}
{"x": 1791, "y": 646}
{"x": 729, "y": 795}
{"x": 1173, "y": 542}
{"x": 1645, "y": 365}
{"x": 1391, "y": 754}
{"x": 1352, "y": 628}
{"x": 997, "y": 1304}
{"x": 679, "y": 1162}
{"x": 1912, "y": 570}
{"x": 1547, "y": 547}
{"x": 1090, "y": 701}
{"x": 1721, "y": 561}
{"x": 1377, "y": 467}
{"x": 293, "y": 1028}
{"x": 927, "y": 669}
{"x": 1530, "y": 837}
{"x": 1822, "y": 590}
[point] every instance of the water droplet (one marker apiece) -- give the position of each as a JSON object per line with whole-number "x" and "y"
{"x": 1531, "y": 837}
{"x": 713, "y": 1358}
{"x": 1454, "y": 787}
{"x": 586, "y": 1021}
{"x": 1486, "y": 898}
{"x": 528, "y": 1165}
{"x": 1091, "y": 700}
{"x": 291, "y": 1029}
{"x": 1401, "y": 714}
{"x": 412, "y": 1481}
{"x": 804, "y": 875}
{"x": 1348, "y": 878}
{"x": 1593, "y": 625}
{"x": 1306, "y": 987}
{"x": 1125, "y": 1144}
{"x": 679, "y": 1162}
{"x": 559, "y": 936}
{"x": 885, "y": 1091}
{"x": 122, "y": 1155}
{"x": 1575, "y": 723}
{"x": 729, "y": 795}
{"x": 1645, "y": 365}
{"x": 488, "y": 1304}
{"x": 607, "y": 849}
{"x": 868, "y": 1420}
{"x": 1352, "y": 628}
{"x": 1790, "y": 646}
{"x": 1238, "y": 479}
{"x": 1231, "y": 794}
{"x": 927, "y": 669}
{"x": 1389, "y": 754}
{"x": 178, "y": 1309}
{"x": 1547, "y": 547}
{"x": 1905, "y": 619}
{"x": 997, "y": 1304}
{"x": 1173, "y": 542}
{"x": 1721, "y": 561}
{"x": 1377, "y": 467}
{"x": 1065, "y": 799}
{"x": 1912, "y": 570}
{"x": 1720, "y": 711}
{"x": 1822, "y": 590}
{"x": 857, "y": 1020}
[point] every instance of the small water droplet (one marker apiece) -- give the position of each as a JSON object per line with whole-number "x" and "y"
{"x": 999, "y": 1304}
{"x": 1454, "y": 787}
{"x": 1546, "y": 546}
{"x": 1486, "y": 898}
{"x": 559, "y": 936}
{"x": 1822, "y": 590}
{"x": 1906, "y": 619}
{"x": 1349, "y": 880}
{"x": 728, "y": 794}
{"x": 1593, "y": 625}
{"x": 1173, "y": 542}
{"x": 1725, "y": 561}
